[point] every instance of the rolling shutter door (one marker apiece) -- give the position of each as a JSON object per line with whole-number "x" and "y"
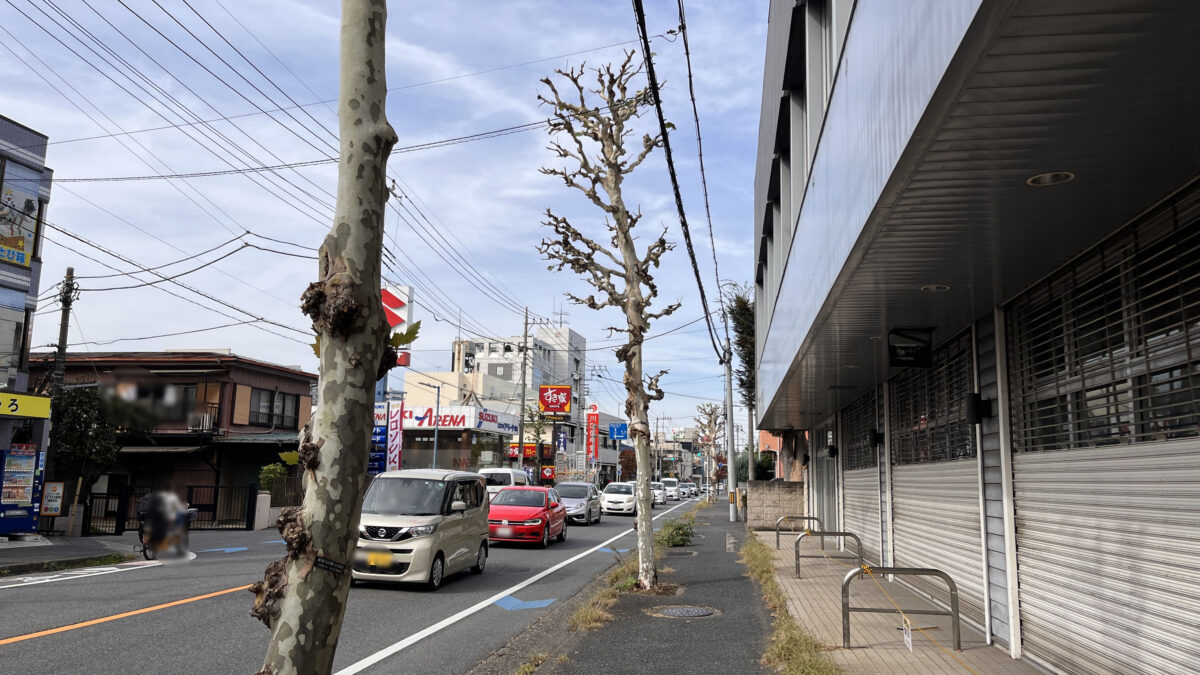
{"x": 1108, "y": 544}
{"x": 862, "y": 509}
{"x": 936, "y": 524}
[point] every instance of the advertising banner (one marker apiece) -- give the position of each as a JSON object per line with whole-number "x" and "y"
{"x": 395, "y": 435}
{"x": 554, "y": 398}
{"x": 593, "y": 433}
{"x": 52, "y": 498}
{"x": 18, "y": 213}
{"x": 377, "y": 459}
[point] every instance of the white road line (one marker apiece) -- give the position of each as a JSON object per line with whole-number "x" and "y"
{"x": 483, "y": 604}
{"x": 67, "y": 576}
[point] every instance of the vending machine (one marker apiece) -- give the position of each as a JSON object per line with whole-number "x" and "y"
{"x": 21, "y": 474}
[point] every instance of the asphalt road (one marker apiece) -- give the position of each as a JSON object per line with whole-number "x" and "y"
{"x": 187, "y": 617}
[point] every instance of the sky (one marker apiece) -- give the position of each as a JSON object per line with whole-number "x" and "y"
{"x": 111, "y": 83}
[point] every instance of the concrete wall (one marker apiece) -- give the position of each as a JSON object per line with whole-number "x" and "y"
{"x": 768, "y": 500}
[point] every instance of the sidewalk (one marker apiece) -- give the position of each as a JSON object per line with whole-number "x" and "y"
{"x": 815, "y": 602}
{"x": 732, "y": 640}
{"x": 23, "y": 557}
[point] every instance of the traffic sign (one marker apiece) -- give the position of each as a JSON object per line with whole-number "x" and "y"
{"x": 618, "y": 432}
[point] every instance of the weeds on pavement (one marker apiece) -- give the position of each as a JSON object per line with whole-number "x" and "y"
{"x": 793, "y": 650}
{"x": 676, "y": 532}
{"x": 531, "y": 666}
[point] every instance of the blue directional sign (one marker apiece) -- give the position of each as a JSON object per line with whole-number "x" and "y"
{"x": 618, "y": 431}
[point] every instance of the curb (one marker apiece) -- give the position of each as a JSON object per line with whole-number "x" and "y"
{"x": 61, "y": 564}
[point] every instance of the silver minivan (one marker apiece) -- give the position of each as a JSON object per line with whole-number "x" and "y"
{"x": 421, "y": 525}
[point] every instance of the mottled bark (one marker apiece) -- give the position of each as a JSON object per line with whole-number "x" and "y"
{"x": 302, "y": 598}
{"x": 596, "y": 150}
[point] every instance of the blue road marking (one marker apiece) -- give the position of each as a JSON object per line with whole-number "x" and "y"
{"x": 610, "y": 550}
{"x": 233, "y": 549}
{"x": 510, "y": 603}
{"x": 274, "y": 541}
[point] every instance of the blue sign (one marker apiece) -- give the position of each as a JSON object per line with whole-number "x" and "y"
{"x": 562, "y": 442}
{"x": 618, "y": 431}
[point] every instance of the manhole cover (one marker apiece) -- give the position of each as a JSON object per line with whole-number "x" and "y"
{"x": 685, "y": 612}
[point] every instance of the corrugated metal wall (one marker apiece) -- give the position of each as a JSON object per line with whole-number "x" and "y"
{"x": 862, "y": 509}
{"x": 1108, "y": 541}
{"x": 936, "y": 524}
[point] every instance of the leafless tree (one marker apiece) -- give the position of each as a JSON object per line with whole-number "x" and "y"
{"x": 595, "y": 125}
{"x": 710, "y": 427}
{"x": 302, "y": 598}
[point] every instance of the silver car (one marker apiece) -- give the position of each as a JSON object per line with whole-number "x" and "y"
{"x": 582, "y": 501}
{"x": 659, "y": 493}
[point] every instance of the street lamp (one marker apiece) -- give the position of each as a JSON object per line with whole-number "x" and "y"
{"x": 437, "y": 417}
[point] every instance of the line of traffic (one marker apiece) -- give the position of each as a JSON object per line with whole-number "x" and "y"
{"x": 403, "y": 644}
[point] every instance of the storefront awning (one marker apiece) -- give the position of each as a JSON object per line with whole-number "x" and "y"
{"x": 159, "y": 449}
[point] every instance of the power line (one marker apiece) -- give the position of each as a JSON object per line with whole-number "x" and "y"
{"x": 163, "y": 335}
{"x": 687, "y": 53}
{"x": 662, "y": 125}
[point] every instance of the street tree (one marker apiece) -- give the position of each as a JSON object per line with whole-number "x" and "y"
{"x": 710, "y": 430}
{"x": 739, "y": 303}
{"x": 595, "y": 125}
{"x": 627, "y": 460}
{"x": 722, "y": 470}
{"x": 535, "y": 427}
{"x": 302, "y": 598}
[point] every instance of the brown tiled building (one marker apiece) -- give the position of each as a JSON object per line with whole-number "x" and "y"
{"x": 219, "y": 416}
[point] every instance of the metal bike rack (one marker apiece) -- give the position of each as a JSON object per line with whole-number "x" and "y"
{"x": 783, "y": 518}
{"x": 822, "y": 535}
{"x": 906, "y": 571}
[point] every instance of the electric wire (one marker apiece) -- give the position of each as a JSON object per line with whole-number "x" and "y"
{"x": 662, "y": 124}
{"x": 99, "y": 343}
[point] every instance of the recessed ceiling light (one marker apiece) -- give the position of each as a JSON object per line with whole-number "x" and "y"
{"x": 1050, "y": 178}
{"x": 935, "y": 288}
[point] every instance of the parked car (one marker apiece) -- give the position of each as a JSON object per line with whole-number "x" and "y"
{"x": 421, "y": 526}
{"x": 499, "y": 478}
{"x": 672, "y": 485}
{"x": 581, "y": 500}
{"x": 659, "y": 493}
{"x": 527, "y": 514}
{"x": 619, "y": 498}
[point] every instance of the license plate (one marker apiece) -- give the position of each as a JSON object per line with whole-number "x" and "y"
{"x": 504, "y": 532}
{"x": 379, "y": 559}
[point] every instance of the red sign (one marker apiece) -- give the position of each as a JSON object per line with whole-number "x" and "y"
{"x": 396, "y": 305}
{"x": 528, "y": 450}
{"x": 548, "y": 472}
{"x": 593, "y": 433}
{"x": 554, "y": 398}
{"x": 395, "y": 435}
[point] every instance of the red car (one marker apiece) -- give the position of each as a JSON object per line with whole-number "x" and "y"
{"x": 527, "y": 514}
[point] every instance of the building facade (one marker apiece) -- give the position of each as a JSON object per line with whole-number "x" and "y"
{"x": 24, "y": 199}
{"x": 977, "y": 234}
{"x": 218, "y": 417}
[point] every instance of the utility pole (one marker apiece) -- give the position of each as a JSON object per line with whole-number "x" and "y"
{"x": 66, "y": 296}
{"x": 731, "y": 455}
{"x": 521, "y": 408}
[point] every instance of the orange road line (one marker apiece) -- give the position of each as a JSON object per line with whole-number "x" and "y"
{"x": 114, "y": 617}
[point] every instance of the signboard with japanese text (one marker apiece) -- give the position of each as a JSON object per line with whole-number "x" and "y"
{"x": 618, "y": 432}
{"x": 52, "y": 498}
{"x": 395, "y": 435}
{"x": 24, "y": 405}
{"x": 553, "y": 398}
{"x": 548, "y": 472}
{"x": 593, "y": 433}
{"x": 18, "y": 213}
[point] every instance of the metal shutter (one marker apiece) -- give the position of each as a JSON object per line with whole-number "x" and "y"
{"x": 936, "y": 524}
{"x": 1108, "y": 546}
{"x": 862, "y": 509}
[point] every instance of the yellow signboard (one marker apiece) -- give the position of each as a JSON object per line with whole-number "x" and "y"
{"x": 22, "y": 405}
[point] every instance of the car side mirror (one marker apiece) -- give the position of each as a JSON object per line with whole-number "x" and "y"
{"x": 554, "y": 505}
{"x": 458, "y": 506}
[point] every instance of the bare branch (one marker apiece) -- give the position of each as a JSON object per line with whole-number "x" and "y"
{"x": 654, "y": 393}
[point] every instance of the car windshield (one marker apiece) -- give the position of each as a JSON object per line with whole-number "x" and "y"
{"x": 670, "y": 482}
{"x": 656, "y": 486}
{"x": 615, "y": 489}
{"x": 405, "y": 497}
{"x": 520, "y": 498}
{"x": 573, "y": 491}
{"x": 498, "y": 478}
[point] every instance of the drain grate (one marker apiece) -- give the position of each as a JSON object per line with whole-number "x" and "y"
{"x": 685, "y": 612}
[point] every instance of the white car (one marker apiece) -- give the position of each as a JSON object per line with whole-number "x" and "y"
{"x": 689, "y": 490}
{"x": 672, "y": 485}
{"x": 659, "y": 493}
{"x": 618, "y": 498}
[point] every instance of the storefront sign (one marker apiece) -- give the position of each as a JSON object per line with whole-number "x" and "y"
{"x": 23, "y": 405}
{"x": 395, "y": 435}
{"x": 548, "y": 472}
{"x": 593, "y": 432}
{"x": 18, "y": 213}
{"x": 910, "y": 348}
{"x": 554, "y": 398}
{"x": 498, "y": 422}
{"x": 451, "y": 417}
{"x": 526, "y": 450}
{"x": 52, "y": 498}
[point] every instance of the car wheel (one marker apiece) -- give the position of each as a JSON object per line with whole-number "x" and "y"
{"x": 598, "y": 515}
{"x": 437, "y": 571}
{"x": 562, "y": 534}
{"x": 545, "y": 535}
{"x": 480, "y": 560}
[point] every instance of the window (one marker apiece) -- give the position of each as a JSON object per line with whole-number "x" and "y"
{"x": 859, "y": 421}
{"x": 928, "y": 407}
{"x": 274, "y": 409}
{"x": 1104, "y": 352}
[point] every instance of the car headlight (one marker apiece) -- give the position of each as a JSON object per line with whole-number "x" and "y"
{"x": 535, "y": 521}
{"x": 422, "y": 530}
